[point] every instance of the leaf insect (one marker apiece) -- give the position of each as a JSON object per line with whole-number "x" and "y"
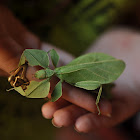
{"x": 89, "y": 72}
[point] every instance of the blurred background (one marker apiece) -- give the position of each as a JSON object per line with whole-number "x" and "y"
{"x": 21, "y": 118}
{"x": 72, "y": 25}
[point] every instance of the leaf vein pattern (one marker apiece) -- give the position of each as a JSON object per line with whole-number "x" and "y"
{"x": 107, "y": 71}
{"x": 97, "y": 74}
{"x": 83, "y": 65}
{"x": 36, "y": 87}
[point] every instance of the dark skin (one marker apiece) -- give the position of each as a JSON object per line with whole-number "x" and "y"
{"x": 76, "y": 107}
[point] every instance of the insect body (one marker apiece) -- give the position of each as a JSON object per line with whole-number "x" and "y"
{"x": 91, "y": 69}
{"x": 89, "y": 72}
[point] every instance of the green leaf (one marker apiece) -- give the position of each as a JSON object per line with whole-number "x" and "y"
{"x": 88, "y": 85}
{"x": 36, "y": 57}
{"x": 91, "y": 67}
{"x": 57, "y": 92}
{"x": 35, "y": 89}
{"x": 54, "y": 57}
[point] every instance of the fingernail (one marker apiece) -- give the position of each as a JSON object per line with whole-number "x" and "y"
{"x": 54, "y": 124}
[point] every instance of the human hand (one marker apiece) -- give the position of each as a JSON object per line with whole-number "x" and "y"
{"x": 123, "y": 44}
{"x": 14, "y": 38}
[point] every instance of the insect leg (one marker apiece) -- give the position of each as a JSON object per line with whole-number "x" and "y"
{"x": 98, "y": 99}
{"x": 12, "y": 76}
{"x": 23, "y": 74}
{"x": 14, "y": 84}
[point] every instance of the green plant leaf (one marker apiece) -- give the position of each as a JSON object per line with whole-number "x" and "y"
{"x": 91, "y": 67}
{"x": 36, "y": 57}
{"x": 54, "y": 57}
{"x": 88, "y": 85}
{"x": 57, "y": 92}
{"x": 35, "y": 89}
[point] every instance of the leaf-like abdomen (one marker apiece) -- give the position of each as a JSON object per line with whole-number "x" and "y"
{"x": 91, "y": 67}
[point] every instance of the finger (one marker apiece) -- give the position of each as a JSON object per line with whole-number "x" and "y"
{"x": 48, "y": 109}
{"x": 124, "y": 106}
{"x": 122, "y": 109}
{"x": 17, "y": 31}
{"x": 85, "y": 100}
{"x": 67, "y": 116}
{"x": 91, "y": 122}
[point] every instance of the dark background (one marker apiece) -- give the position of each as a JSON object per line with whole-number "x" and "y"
{"x": 21, "y": 118}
